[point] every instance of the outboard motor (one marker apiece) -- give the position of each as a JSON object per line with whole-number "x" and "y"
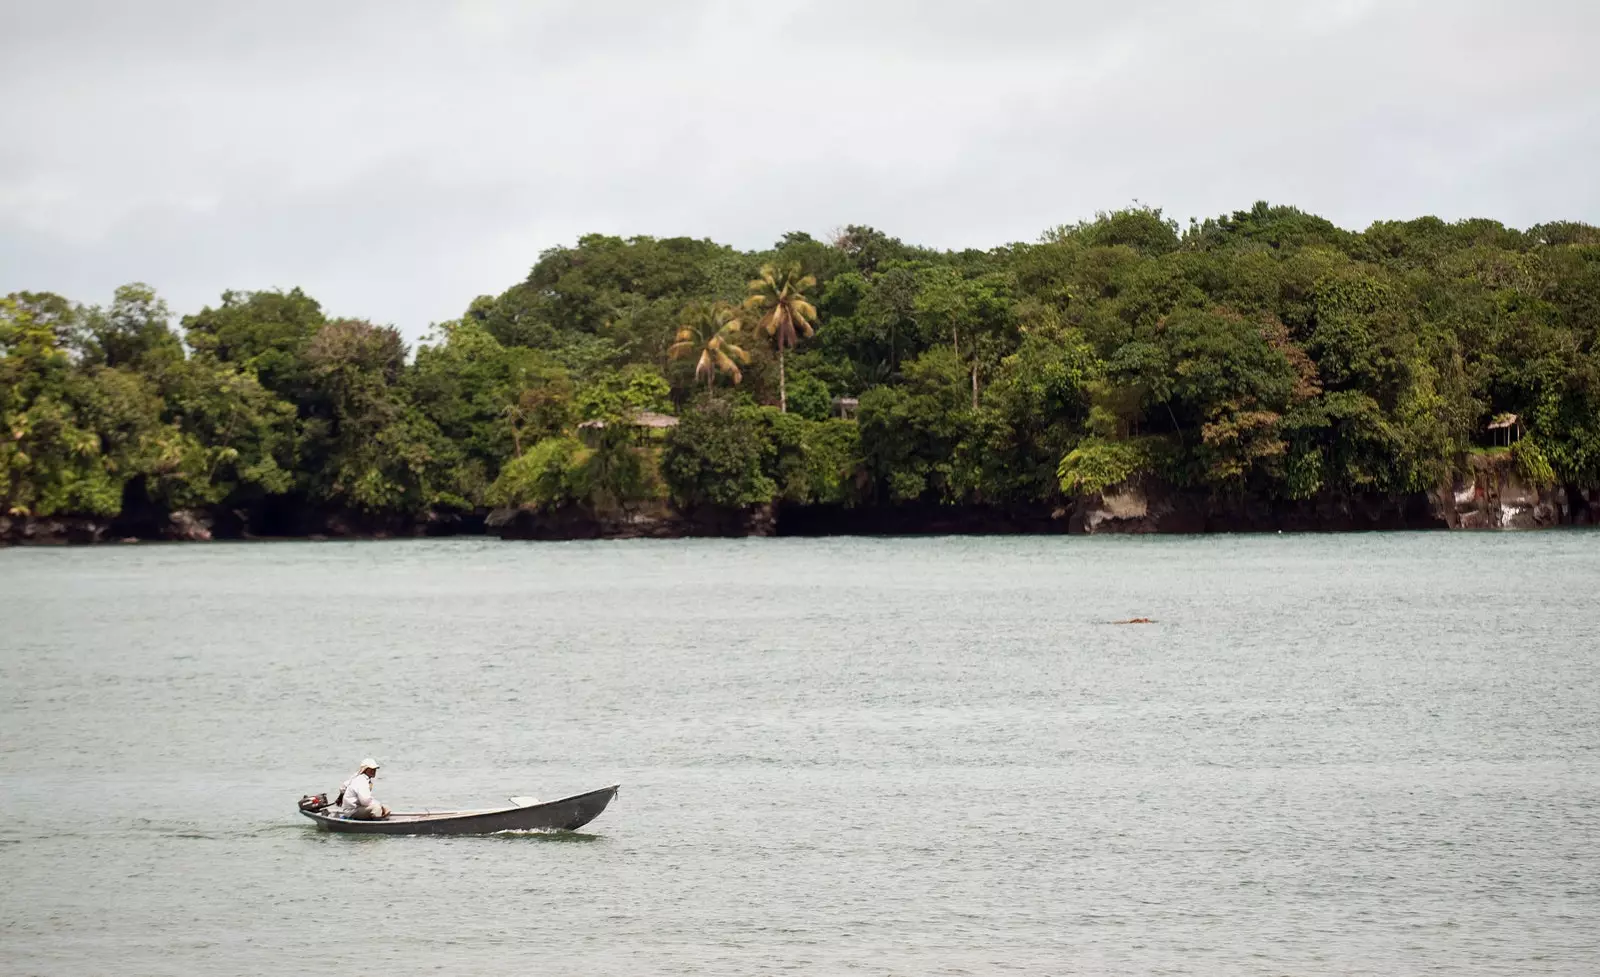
{"x": 314, "y": 802}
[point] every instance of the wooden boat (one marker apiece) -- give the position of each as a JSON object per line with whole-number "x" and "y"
{"x": 567, "y": 814}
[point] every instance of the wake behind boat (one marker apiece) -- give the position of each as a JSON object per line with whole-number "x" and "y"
{"x": 566, "y": 814}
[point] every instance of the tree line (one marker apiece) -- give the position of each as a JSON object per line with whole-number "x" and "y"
{"x": 1262, "y": 354}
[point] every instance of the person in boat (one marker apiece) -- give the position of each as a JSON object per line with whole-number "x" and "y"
{"x": 355, "y": 795}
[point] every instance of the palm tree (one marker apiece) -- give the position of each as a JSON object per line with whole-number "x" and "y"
{"x": 785, "y": 314}
{"x": 710, "y": 330}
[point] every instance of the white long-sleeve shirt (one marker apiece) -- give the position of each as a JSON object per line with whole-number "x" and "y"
{"x": 357, "y": 793}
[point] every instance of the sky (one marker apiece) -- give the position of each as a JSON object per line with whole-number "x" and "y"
{"x": 396, "y": 159}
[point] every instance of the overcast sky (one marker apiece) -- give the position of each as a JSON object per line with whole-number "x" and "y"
{"x": 397, "y": 158}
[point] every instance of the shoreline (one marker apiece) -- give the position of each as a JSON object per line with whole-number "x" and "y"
{"x": 1131, "y": 512}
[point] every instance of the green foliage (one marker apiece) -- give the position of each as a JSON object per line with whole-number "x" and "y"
{"x": 263, "y": 332}
{"x": 620, "y": 394}
{"x": 1142, "y": 228}
{"x": 616, "y": 474}
{"x": 708, "y": 332}
{"x": 1531, "y": 463}
{"x": 910, "y": 433}
{"x": 246, "y": 436}
{"x": 51, "y": 458}
{"x": 608, "y": 476}
{"x": 808, "y": 397}
{"x": 809, "y": 462}
{"x": 1264, "y": 353}
{"x": 1098, "y": 465}
{"x": 1265, "y": 225}
{"x": 377, "y": 453}
{"x": 548, "y": 476}
{"x": 714, "y": 457}
{"x": 778, "y": 297}
{"x": 831, "y": 462}
{"x": 133, "y": 331}
{"x": 488, "y": 401}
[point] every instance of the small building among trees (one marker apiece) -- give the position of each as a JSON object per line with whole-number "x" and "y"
{"x": 1505, "y": 429}
{"x": 646, "y": 419}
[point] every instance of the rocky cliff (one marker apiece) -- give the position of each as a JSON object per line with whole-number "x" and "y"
{"x": 1492, "y": 494}
{"x": 1158, "y": 509}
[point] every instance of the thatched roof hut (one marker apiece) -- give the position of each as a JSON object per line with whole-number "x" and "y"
{"x": 648, "y": 419}
{"x": 1511, "y": 424}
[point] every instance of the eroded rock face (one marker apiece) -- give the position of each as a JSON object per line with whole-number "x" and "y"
{"x": 1162, "y": 509}
{"x": 1144, "y": 509}
{"x": 53, "y": 529}
{"x": 189, "y": 525}
{"x": 1492, "y": 495}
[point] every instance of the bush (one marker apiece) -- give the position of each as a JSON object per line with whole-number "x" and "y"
{"x": 832, "y": 459}
{"x": 1531, "y": 463}
{"x": 808, "y": 461}
{"x": 615, "y": 473}
{"x": 714, "y": 457}
{"x": 546, "y": 476}
{"x": 808, "y": 397}
{"x": 1096, "y": 465}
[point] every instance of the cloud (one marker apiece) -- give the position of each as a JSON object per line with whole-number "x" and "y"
{"x": 396, "y": 159}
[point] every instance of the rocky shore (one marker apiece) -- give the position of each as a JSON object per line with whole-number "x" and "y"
{"x": 1490, "y": 495}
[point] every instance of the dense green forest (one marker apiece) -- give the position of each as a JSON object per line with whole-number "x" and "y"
{"x": 1264, "y": 354}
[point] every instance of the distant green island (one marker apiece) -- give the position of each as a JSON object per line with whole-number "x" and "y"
{"x": 1262, "y": 370}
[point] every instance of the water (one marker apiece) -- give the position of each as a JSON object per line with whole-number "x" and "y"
{"x": 1372, "y": 754}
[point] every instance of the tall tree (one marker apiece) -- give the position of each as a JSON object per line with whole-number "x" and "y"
{"x": 710, "y": 330}
{"x": 372, "y": 450}
{"x": 265, "y": 332}
{"x": 50, "y": 458}
{"x": 134, "y": 331}
{"x": 779, "y": 295}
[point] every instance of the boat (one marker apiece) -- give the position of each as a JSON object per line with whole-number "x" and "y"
{"x": 566, "y": 814}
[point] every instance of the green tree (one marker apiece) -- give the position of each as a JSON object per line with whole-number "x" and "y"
{"x": 616, "y": 474}
{"x": 714, "y": 457}
{"x": 547, "y": 476}
{"x": 50, "y": 459}
{"x": 266, "y": 333}
{"x": 487, "y": 400}
{"x": 808, "y": 397}
{"x": 619, "y": 395}
{"x": 710, "y": 332}
{"x": 778, "y": 296}
{"x": 910, "y": 434}
{"x": 975, "y": 310}
{"x": 1098, "y": 465}
{"x": 133, "y": 331}
{"x": 244, "y": 437}
{"x": 375, "y": 451}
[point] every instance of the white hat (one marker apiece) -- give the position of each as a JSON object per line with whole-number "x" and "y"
{"x": 369, "y": 764}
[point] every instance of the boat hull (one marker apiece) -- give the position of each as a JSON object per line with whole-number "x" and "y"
{"x": 566, "y": 814}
